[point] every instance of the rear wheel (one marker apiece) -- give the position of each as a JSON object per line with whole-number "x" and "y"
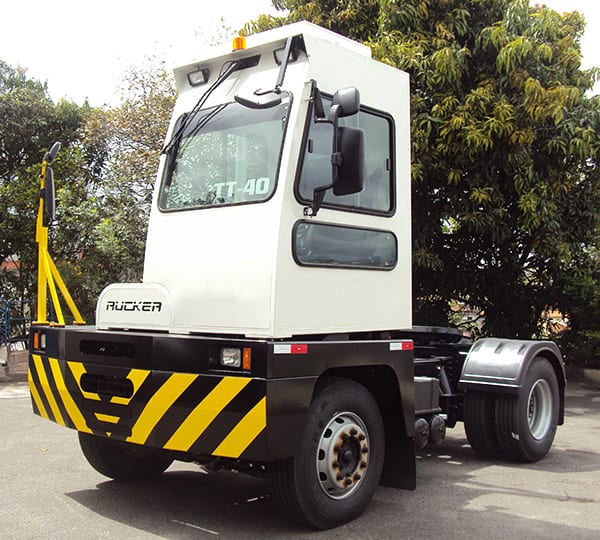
{"x": 122, "y": 461}
{"x": 526, "y": 423}
{"x": 339, "y": 460}
{"x": 480, "y": 423}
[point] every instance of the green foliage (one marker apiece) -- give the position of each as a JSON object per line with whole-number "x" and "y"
{"x": 30, "y": 122}
{"x": 125, "y": 142}
{"x": 581, "y": 298}
{"x": 505, "y": 143}
{"x": 104, "y": 176}
{"x": 352, "y": 18}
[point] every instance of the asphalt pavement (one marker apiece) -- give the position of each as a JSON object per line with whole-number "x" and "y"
{"x": 47, "y": 490}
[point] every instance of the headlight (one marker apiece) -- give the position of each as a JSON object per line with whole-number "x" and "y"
{"x": 198, "y": 77}
{"x": 231, "y": 357}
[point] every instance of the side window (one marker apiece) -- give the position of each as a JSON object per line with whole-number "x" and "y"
{"x": 340, "y": 246}
{"x": 316, "y": 169}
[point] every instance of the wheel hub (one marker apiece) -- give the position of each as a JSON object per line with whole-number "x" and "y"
{"x": 342, "y": 455}
{"x": 539, "y": 409}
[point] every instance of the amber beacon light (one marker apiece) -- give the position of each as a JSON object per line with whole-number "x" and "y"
{"x": 239, "y": 43}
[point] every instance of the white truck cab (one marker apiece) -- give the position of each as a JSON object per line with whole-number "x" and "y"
{"x": 230, "y": 248}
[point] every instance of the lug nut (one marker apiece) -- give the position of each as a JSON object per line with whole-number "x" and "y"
{"x": 365, "y": 450}
{"x": 363, "y": 464}
{"x": 361, "y": 437}
{"x": 347, "y": 482}
{"x": 356, "y": 477}
{"x": 339, "y": 476}
{"x": 353, "y": 432}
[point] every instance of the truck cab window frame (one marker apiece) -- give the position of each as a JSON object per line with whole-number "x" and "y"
{"x": 332, "y": 245}
{"x": 315, "y": 169}
{"x": 228, "y": 155}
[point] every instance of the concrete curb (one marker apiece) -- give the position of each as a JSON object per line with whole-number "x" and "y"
{"x": 590, "y": 376}
{"x": 15, "y": 369}
{"x": 12, "y": 377}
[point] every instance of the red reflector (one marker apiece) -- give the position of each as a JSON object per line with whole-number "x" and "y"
{"x": 299, "y": 348}
{"x": 408, "y": 345}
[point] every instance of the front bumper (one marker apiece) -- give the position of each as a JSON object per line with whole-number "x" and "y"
{"x": 194, "y": 413}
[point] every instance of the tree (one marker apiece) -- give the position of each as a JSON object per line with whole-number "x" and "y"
{"x": 113, "y": 218}
{"x": 104, "y": 176}
{"x": 581, "y": 291}
{"x": 506, "y": 140}
{"x": 30, "y": 123}
{"x": 137, "y": 131}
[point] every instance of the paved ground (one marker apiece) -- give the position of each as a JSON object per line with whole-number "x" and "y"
{"x": 47, "y": 490}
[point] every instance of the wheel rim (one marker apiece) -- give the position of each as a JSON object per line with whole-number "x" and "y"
{"x": 342, "y": 455}
{"x": 539, "y": 409}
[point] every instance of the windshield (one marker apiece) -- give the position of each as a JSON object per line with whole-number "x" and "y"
{"x": 227, "y": 154}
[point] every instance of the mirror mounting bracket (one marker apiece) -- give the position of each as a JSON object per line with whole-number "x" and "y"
{"x": 318, "y": 196}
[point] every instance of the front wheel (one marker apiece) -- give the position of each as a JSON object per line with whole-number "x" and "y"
{"x": 526, "y": 424}
{"x": 337, "y": 467}
{"x": 122, "y": 461}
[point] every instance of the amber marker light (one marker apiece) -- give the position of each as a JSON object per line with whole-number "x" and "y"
{"x": 247, "y": 358}
{"x": 239, "y": 43}
{"x": 39, "y": 341}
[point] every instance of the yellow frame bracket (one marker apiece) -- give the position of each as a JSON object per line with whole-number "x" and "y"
{"x": 48, "y": 275}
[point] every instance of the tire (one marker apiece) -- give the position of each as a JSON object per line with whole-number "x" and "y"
{"x": 480, "y": 423}
{"x": 337, "y": 467}
{"x": 122, "y": 461}
{"x": 526, "y": 423}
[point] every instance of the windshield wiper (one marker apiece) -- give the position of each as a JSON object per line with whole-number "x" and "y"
{"x": 178, "y": 134}
{"x": 265, "y": 99}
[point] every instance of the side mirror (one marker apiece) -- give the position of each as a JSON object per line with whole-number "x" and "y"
{"x": 351, "y": 172}
{"x": 348, "y": 152}
{"x": 348, "y": 99}
{"x": 48, "y": 193}
{"x": 49, "y": 198}
{"x": 51, "y": 154}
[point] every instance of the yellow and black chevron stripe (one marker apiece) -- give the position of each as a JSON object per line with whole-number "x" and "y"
{"x": 196, "y": 413}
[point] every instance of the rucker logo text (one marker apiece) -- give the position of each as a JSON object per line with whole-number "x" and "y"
{"x": 133, "y": 305}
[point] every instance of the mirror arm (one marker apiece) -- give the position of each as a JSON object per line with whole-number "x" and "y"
{"x": 334, "y": 114}
{"x": 284, "y": 63}
{"x": 336, "y": 155}
{"x": 315, "y": 95}
{"x": 267, "y": 102}
{"x": 318, "y": 196}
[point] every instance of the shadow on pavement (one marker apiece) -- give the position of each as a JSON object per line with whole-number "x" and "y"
{"x": 183, "y": 504}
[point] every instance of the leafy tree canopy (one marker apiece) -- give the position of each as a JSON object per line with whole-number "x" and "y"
{"x": 123, "y": 144}
{"x": 505, "y": 142}
{"x": 132, "y": 134}
{"x": 104, "y": 175}
{"x": 29, "y": 123}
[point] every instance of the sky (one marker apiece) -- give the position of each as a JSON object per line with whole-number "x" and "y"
{"x": 83, "y": 48}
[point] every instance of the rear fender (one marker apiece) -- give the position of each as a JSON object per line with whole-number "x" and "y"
{"x": 500, "y": 365}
